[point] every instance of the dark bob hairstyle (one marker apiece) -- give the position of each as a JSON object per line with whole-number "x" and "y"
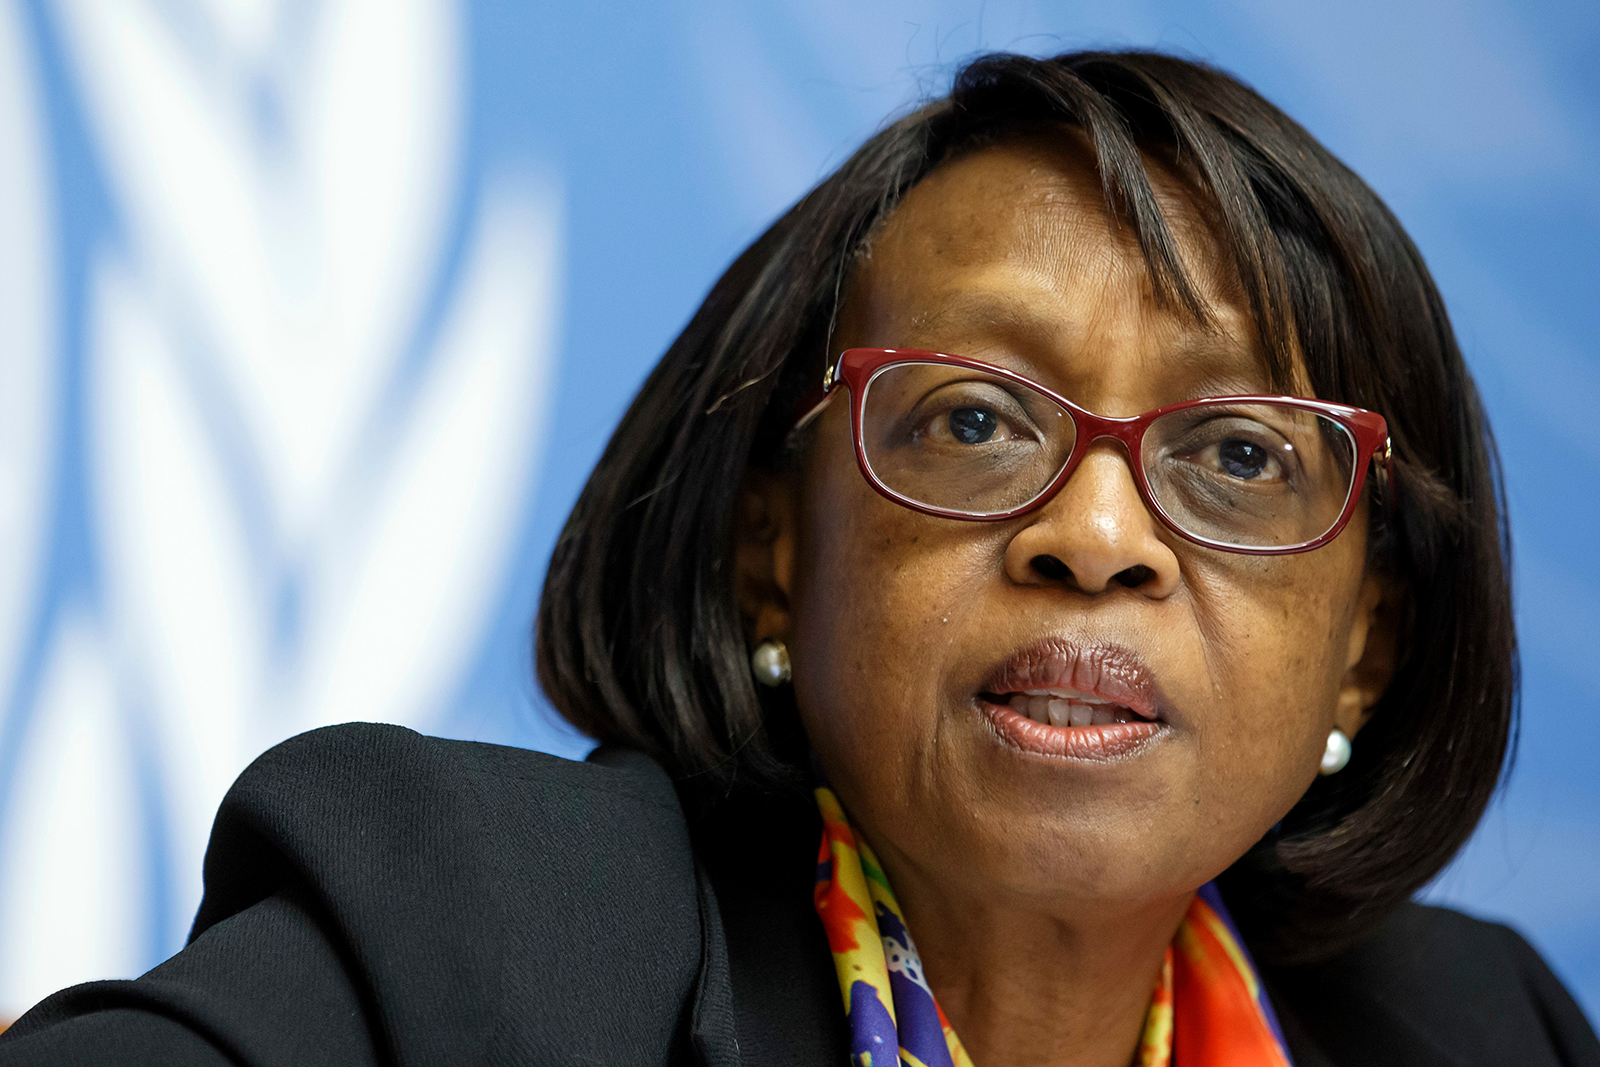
{"x": 640, "y": 640}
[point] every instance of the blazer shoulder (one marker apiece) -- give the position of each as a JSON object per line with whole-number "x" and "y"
{"x": 409, "y": 899}
{"x": 1435, "y": 986}
{"x": 530, "y": 892}
{"x": 339, "y": 805}
{"x": 378, "y": 758}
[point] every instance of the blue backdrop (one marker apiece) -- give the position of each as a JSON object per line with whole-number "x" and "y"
{"x": 316, "y": 315}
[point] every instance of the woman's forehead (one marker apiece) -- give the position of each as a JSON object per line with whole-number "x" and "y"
{"x": 1041, "y": 194}
{"x": 1013, "y": 246}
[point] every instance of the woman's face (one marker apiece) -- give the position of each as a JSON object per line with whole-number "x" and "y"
{"x": 907, "y": 631}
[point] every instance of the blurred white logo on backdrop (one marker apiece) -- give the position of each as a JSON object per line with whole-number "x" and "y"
{"x": 316, "y": 346}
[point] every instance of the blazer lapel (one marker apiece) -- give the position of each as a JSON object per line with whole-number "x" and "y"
{"x": 758, "y": 858}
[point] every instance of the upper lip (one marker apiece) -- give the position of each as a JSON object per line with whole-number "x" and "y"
{"x": 1096, "y": 670}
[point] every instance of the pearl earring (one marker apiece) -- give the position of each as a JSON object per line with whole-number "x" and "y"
{"x": 770, "y": 663}
{"x": 1337, "y": 754}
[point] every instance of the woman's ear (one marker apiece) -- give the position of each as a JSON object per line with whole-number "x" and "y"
{"x": 1374, "y": 651}
{"x": 763, "y": 537}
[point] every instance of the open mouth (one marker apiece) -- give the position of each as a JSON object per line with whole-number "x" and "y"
{"x": 1065, "y": 707}
{"x": 1059, "y": 699}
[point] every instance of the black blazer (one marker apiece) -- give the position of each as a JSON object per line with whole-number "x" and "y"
{"x": 378, "y": 897}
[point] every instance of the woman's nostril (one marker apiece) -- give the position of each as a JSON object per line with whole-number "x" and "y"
{"x": 1133, "y": 577}
{"x": 1050, "y": 568}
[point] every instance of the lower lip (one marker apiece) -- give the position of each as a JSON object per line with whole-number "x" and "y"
{"x": 1073, "y": 742}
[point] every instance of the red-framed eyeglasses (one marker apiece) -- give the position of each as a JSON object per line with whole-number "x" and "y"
{"x": 962, "y": 439}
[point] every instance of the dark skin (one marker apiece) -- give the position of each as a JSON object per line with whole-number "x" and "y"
{"x": 1043, "y": 890}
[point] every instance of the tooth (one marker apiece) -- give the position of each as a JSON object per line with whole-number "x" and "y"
{"x": 1060, "y": 713}
{"x": 1081, "y": 714}
{"x": 1103, "y": 716}
{"x": 1039, "y": 709}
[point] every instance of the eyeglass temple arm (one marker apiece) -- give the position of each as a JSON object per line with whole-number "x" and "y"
{"x": 816, "y": 399}
{"x": 1388, "y": 484}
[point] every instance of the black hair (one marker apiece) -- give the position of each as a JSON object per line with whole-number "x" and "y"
{"x": 640, "y": 639}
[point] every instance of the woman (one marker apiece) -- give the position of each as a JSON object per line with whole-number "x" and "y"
{"x": 977, "y": 567}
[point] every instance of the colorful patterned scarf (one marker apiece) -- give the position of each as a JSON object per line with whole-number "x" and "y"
{"x": 1208, "y": 1009}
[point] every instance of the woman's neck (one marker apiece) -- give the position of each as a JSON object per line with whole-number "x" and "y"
{"x": 1029, "y": 983}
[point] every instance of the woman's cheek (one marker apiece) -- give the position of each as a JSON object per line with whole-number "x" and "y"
{"x": 875, "y": 634}
{"x": 850, "y": 648}
{"x": 881, "y": 622}
{"x": 1275, "y": 686}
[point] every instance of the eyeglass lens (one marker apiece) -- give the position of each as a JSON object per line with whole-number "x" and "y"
{"x": 1251, "y": 475}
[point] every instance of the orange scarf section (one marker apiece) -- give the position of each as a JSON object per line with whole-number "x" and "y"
{"x": 1207, "y": 1010}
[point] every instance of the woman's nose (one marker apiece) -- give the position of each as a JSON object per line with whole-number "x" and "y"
{"x": 1095, "y": 534}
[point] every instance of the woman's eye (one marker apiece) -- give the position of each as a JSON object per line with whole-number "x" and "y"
{"x": 973, "y": 426}
{"x": 1242, "y": 459}
{"x": 1256, "y": 454}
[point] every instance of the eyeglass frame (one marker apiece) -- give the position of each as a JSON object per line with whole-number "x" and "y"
{"x": 857, "y": 367}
